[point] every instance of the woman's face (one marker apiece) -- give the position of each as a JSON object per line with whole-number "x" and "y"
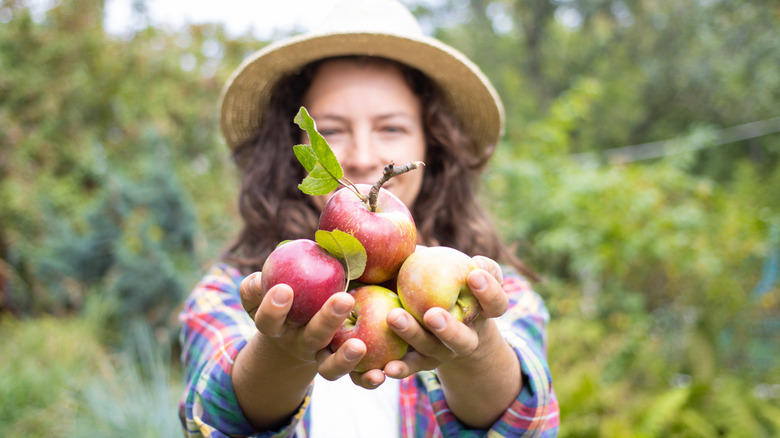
{"x": 370, "y": 117}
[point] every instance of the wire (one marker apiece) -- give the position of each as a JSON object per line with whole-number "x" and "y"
{"x": 662, "y": 148}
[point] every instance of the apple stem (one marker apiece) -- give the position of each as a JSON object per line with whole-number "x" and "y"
{"x": 462, "y": 305}
{"x": 345, "y": 182}
{"x": 390, "y": 171}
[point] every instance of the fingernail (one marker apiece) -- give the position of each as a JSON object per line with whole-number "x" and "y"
{"x": 400, "y": 322}
{"x": 281, "y": 297}
{"x": 351, "y": 354}
{"x": 437, "y": 322}
{"x": 341, "y": 307}
{"x": 478, "y": 282}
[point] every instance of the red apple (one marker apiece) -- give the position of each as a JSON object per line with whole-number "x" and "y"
{"x": 436, "y": 277}
{"x": 312, "y": 273}
{"x": 368, "y": 322}
{"x": 389, "y": 234}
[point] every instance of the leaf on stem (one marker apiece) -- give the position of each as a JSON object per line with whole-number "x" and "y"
{"x": 317, "y": 158}
{"x": 318, "y": 182}
{"x": 346, "y": 248}
{"x": 305, "y": 155}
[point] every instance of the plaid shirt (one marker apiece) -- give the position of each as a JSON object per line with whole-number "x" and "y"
{"x": 216, "y": 327}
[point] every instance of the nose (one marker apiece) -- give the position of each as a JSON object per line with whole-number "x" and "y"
{"x": 361, "y": 158}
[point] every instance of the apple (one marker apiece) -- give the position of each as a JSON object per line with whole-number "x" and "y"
{"x": 368, "y": 322}
{"x": 312, "y": 273}
{"x": 436, "y": 277}
{"x": 388, "y": 234}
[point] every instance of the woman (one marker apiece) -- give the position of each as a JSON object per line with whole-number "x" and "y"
{"x": 379, "y": 91}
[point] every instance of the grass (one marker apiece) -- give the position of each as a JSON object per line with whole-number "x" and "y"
{"x": 57, "y": 379}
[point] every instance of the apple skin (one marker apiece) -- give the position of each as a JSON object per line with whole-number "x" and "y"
{"x": 368, "y": 322}
{"x": 389, "y": 235}
{"x": 312, "y": 273}
{"x": 436, "y": 277}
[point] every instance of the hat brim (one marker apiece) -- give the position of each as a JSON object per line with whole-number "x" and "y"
{"x": 466, "y": 89}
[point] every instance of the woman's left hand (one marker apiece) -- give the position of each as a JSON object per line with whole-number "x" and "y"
{"x": 443, "y": 339}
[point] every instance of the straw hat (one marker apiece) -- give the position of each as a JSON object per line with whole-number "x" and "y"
{"x": 383, "y": 28}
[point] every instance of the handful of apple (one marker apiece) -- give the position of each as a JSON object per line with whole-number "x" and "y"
{"x": 368, "y": 235}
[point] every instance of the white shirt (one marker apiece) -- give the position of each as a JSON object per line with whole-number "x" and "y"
{"x": 341, "y": 409}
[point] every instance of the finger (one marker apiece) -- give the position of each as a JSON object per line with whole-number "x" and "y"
{"x": 371, "y": 379}
{"x": 458, "y": 337}
{"x": 250, "y": 293}
{"x": 491, "y": 267}
{"x": 320, "y": 330}
{"x": 332, "y": 366}
{"x": 411, "y": 363}
{"x": 273, "y": 310}
{"x": 405, "y": 326}
{"x": 489, "y": 293}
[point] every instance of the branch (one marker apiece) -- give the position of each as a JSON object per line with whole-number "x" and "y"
{"x": 390, "y": 171}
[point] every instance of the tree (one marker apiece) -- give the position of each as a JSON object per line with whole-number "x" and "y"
{"x": 105, "y": 142}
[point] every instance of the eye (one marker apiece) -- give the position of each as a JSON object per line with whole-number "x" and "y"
{"x": 330, "y": 132}
{"x": 393, "y": 129}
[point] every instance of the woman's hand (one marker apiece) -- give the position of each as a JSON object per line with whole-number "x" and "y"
{"x": 307, "y": 344}
{"x": 459, "y": 352}
{"x": 442, "y": 338}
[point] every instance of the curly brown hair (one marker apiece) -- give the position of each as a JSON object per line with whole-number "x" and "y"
{"x": 446, "y": 212}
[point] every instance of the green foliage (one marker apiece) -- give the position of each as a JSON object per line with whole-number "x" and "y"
{"x": 662, "y": 67}
{"x": 106, "y": 143}
{"x": 650, "y": 268}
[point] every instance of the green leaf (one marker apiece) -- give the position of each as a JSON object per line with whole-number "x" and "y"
{"x": 318, "y": 182}
{"x": 319, "y": 146}
{"x": 346, "y": 248}
{"x": 305, "y": 155}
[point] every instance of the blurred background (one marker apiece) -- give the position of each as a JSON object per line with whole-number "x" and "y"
{"x": 639, "y": 175}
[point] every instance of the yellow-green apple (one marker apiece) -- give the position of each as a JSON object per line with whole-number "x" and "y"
{"x": 388, "y": 234}
{"x": 368, "y": 322}
{"x": 436, "y": 277}
{"x": 312, "y": 273}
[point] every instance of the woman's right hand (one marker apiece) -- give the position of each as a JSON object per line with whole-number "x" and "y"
{"x": 307, "y": 344}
